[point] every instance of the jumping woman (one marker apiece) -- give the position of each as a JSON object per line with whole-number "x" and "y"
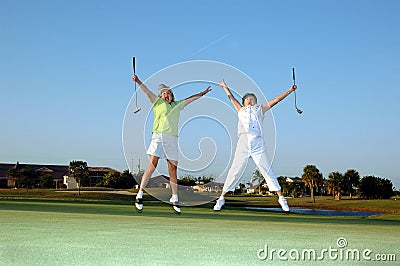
{"x": 164, "y": 141}
{"x": 251, "y": 144}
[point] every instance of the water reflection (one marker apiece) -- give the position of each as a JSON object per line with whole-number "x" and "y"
{"x": 318, "y": 211}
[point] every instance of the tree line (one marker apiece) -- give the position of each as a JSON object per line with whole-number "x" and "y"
{"x": 29, "y": 178}
{"x": 349, "y": 183}
{"x": 312, "y": 181}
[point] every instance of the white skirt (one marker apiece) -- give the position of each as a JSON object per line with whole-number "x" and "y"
{"x": 164, "y": 146}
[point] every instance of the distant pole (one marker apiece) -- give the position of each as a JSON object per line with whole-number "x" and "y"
{"x": 131, "y": 162}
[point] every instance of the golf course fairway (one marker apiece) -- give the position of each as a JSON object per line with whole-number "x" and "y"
{"x": 62, "y": 232}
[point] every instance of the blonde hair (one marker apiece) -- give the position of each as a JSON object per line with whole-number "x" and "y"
{"x": 163, "y": 87}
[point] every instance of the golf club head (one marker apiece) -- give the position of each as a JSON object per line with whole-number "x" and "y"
{"x": 137, "y": 110}
{"x": 299, "y": 111}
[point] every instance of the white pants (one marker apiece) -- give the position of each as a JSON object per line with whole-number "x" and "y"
{"x": 250, "y": 146}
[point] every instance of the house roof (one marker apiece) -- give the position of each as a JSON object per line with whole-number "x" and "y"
{"x": 158, "y": 180}
{"x": 213, "y": 184}
{"x": 58, "y": 171}
{"x": 4, "y": 167}
{"x": 102, "y": 169}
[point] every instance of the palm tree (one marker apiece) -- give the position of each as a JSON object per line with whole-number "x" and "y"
{"x": 352, "y": 179}
{"x": 312, "y": 178}
{"x": 284, "y": 185}
{"x": 257, "y": 176}
{"x": 336, "y": 184}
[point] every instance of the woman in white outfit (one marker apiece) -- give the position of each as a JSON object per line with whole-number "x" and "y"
{"x": 251, "y": 144}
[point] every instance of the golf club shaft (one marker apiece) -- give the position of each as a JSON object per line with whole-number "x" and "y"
{"x": 295, "y": 100}
{"x": 294, "y": 78}
{"x": 134, "y": 65}
{"x": 134, "y": 72}
{"x": 135, "y": 96}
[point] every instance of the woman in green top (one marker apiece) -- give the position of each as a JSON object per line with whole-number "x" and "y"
{"x": 164, "y": 142}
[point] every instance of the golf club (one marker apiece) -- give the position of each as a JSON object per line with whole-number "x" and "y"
{"x": 294, "y": 83}
{"x": 134, "y": 72}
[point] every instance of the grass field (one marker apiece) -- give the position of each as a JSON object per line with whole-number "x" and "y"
{"x": 110, "y": 232}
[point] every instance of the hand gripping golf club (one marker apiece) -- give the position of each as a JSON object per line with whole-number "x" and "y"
{"x": 294, "y": 83}
{"x": 134, "y": 72}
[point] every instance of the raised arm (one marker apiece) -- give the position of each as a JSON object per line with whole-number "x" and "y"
{"x": 236, "y": 104}
{"x": 197, "y": 96}
{"x": 268, "y": 105}
{"x": 152, "y": 97}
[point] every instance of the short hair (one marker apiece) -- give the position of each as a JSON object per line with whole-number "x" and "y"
{"x": 247, "y": 95}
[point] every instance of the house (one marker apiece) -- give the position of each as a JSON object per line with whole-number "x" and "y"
{"x": 59, "y": 173}
{"x": 251, "y": 190}
{"x": 199, "y": 188}
{"x": 256, "y": 189}
{"x": 70, "y": 182}
{"x": 97, "y": 173}
{"x": 213, "y": 186}
{"x": 4, "y": 167}
{"x": 160, "y": 181}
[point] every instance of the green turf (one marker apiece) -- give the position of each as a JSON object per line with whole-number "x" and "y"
{"x": 44, "y": 232}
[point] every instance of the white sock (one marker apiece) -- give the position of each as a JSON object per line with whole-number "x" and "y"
{"x": 139, "y": 194}
{"x": 221, "y": 198}
{"x": 281, "y": 197}
{"x": 174, "y": 197}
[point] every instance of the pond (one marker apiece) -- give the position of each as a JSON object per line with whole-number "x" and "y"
{"x": 318, "y": 211}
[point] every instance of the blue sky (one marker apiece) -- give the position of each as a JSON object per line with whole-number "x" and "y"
{"x": 66, "y": 66}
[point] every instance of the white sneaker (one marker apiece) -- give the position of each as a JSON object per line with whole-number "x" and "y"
{"x": 175, "y": 205}
{"x": 282, "y": 201}
{"x": 139, "y": 204}
{"x": 219, "y": 204}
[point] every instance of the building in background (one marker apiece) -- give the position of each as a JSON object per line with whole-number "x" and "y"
{"x": 59, "y": 173}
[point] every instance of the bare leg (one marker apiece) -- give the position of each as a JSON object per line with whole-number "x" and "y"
{"x": 173, "y": 180}
{"x": 172, "y": 169}
{"x": 149, "y": 171}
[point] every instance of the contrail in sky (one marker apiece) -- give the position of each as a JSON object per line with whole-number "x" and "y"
{"x": 210, "y": 44}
